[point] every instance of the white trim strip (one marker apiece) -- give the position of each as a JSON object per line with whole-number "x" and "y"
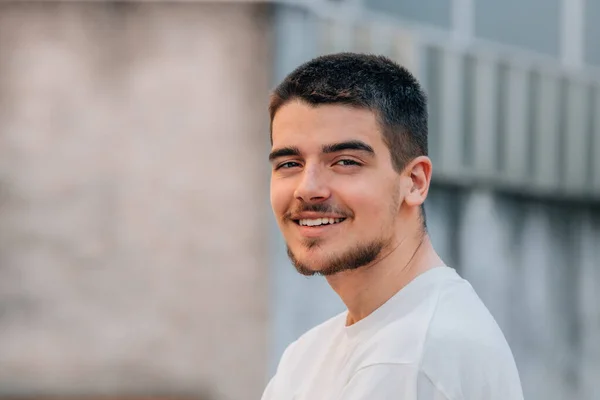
{"x": 463, "y": 14}
{"x": 572, "y": 33}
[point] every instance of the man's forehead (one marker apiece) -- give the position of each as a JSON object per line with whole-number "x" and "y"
{"x": 297, "y": 112}
{"x": 299, "y": 124}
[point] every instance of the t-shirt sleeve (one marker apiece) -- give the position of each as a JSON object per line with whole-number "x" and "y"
{"x": 390, "y": 382}
{"x": 270, "y": 392}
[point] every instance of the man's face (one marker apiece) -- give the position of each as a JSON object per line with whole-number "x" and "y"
{"x": 334, "y": 192}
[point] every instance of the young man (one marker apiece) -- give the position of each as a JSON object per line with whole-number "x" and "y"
{"x": 350, "y": 174}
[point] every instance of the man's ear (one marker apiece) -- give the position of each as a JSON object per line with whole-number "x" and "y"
{"x": 419, "y": 173}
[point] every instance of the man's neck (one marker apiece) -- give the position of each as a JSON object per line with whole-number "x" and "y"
{"x": 365, "y": 289}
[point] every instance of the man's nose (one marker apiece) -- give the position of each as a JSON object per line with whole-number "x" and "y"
{"x": 313, "y": 186}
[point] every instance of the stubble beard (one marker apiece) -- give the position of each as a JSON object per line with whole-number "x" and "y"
{"x": 352, "y": 259}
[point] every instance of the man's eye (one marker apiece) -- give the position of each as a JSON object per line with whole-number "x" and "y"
{"x": 288, "y": 164}
{"x": 347, "y": 162}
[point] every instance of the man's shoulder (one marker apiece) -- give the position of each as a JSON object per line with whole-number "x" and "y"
{"x": 316, "y": 336}
{"x": 462, "y": 319}
{"x": 465, "y": 350}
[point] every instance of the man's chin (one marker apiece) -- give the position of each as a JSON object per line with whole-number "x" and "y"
{"x": 311, "y": 267}
{"x": 304, "y": 260}
{"x": 308, "y": 261}
{"x": 318, "y": 261}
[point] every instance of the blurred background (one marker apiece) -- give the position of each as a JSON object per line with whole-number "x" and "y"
{"x": 138, "y": 253}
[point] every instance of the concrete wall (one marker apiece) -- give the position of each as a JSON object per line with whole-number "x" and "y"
{"x": 132, "y": 203}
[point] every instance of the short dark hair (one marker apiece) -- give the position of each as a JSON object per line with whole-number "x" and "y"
{"x": 366, "y": 81}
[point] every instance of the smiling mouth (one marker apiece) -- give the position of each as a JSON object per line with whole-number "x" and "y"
{"x": 318, "y": 221}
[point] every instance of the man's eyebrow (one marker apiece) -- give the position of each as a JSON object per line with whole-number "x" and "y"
{"x": 284, "y": 152}
{"x": 349, "y": 145}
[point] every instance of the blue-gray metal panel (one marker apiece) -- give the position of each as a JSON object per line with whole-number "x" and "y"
{"x": 435, "y": 12}
{"x": 592, "y": 32}
{"x": 340, "y": 35}
{"x": 382, "y": 39}
{"x": 530, "y": 24}
{"x": 362, "y": 38}
{"x": 575, "y": 173}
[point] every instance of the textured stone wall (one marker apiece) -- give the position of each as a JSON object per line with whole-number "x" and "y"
{"x": 133, "y": 198}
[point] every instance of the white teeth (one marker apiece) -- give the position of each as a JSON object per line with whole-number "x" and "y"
{"x": 319, "y": 221}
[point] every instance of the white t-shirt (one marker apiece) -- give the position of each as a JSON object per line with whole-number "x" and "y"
{"x": 433, "y": 340}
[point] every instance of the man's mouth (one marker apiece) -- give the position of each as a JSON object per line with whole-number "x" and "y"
{"x": 318, "y": 221}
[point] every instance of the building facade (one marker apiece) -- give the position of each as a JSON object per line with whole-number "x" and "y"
{"x": 514, "y": 96}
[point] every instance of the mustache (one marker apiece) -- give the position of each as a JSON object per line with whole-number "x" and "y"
{"x": 324, "y": 208}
